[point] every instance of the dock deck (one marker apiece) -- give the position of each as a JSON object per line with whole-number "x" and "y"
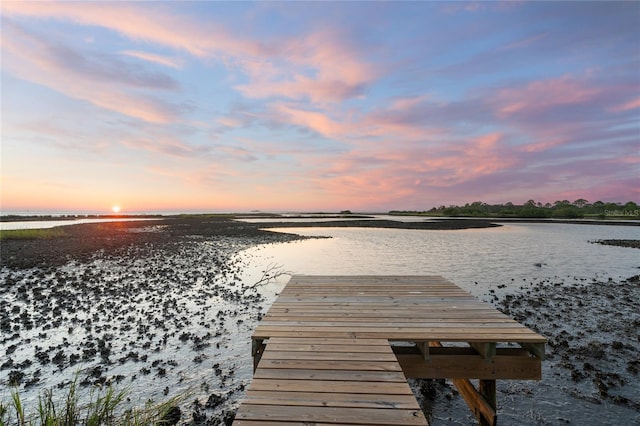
{"x": 330, "y": 357}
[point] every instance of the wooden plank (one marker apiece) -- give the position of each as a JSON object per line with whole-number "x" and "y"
{"x": 289, "y": 347}
{"x": 427, "y": 326}
{"x": 381, "y": 315}
{"x": 387, "y": 301}
{"x": 335, "y": 375}
{"x": 331, "y": 365}
{"x": 402, "y": 336}
{"x": 427, "y": 306}
{"x": 382, "y": 388}
{"x": 408, "y": 328}
{"x": 430, "y": 303}
{"x": 271, "y": 423}
{"x": 334, "y": 356}
{"x": 328, "y": 341}
{"x": 335, "y": 399}
{"x": 350, "y": 415}
{"x": 469, "y": 334}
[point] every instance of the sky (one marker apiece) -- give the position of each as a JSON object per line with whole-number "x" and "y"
{"x": 316, "y": 106}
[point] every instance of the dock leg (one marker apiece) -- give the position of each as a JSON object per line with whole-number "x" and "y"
{"x": 479, "y": 405}
{"x": 487, "y": 388}
{"x": 257, "y": 348}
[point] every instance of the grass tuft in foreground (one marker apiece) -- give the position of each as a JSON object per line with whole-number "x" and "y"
{"x": 31, "y": 234}
{"x": 105, "y": 407}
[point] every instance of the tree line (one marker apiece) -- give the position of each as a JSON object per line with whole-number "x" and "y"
{"x": 564, "y": 209}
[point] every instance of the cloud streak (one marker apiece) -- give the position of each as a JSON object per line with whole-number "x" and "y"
{"x": 152, "y": 57}
{"x": 153, "y": 24}
{"x": 104, "y": 81}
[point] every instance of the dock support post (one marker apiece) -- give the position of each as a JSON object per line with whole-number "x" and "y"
{"x": 423, "y": 347}
{"x": 257, "y": 348}
{"x": 485, "y": 350}
{"x": 481, "y": 407}
{"x": 487, "y": 388}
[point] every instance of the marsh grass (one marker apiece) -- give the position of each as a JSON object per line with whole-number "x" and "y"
{"x": 32, "y": 234}
{"x": 105, "y": 407}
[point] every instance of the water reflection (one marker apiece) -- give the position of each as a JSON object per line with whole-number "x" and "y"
{"x": 475, "y": 259}
{"x": 45, "y": 224}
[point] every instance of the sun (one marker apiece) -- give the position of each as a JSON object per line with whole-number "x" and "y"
{"x": 115, "y": 209}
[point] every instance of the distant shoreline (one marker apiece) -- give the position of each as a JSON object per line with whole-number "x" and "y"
{"x": 355, "y": 220}
{"x": 71, "y": 217}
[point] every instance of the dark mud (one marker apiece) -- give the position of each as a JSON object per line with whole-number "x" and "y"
{"x": 83, "y": 241}
{"x": 593, "y": 333}
{"x": 163, "y": 308}
{"x": 619, "y": 243}
{"x": 592, "y": 366}
{"x": 432, "y": 224}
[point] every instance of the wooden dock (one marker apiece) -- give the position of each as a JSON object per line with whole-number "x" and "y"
{"x": 331, "y": 354}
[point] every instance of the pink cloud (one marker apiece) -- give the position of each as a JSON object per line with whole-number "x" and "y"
{"x": 466, "y": 161}
{"x": 471, "y": 7}
{"x": 540, "y": 96}
{"x": 152, "y": 57}
{"x": 407, "y": 103}
{"x": 163, "y": 145}
{"x": 321, "y": 67}
{"x": 152, "y": 23}
{"x": 548, "y": 142}
{"x": 300, "y": 87}
{"x": 396, "y": 123}
{"x": 313, "y": 120}
{"x": 406, "y": 119}
{"x": 355, "y": 128}
{"x": 295, "y": 68}
{"x": 397, "y": 174}
{"x": 525, "y": 42}
{"x": 627, "y": 106}
{"x": 91, "y": 79}
{"x": 364, "y": 186}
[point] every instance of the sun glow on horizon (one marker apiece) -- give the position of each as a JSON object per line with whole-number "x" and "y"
{"x": 115, "y": 209}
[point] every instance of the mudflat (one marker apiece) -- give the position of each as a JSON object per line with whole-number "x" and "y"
{"x": 161, "y": 307}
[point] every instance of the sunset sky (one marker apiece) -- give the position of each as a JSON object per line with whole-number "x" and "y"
{"x": 367, "y": 106}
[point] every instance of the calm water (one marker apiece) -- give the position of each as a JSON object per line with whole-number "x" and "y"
{"x": 44, "y": 224}
{"x": 490, "y": 257}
